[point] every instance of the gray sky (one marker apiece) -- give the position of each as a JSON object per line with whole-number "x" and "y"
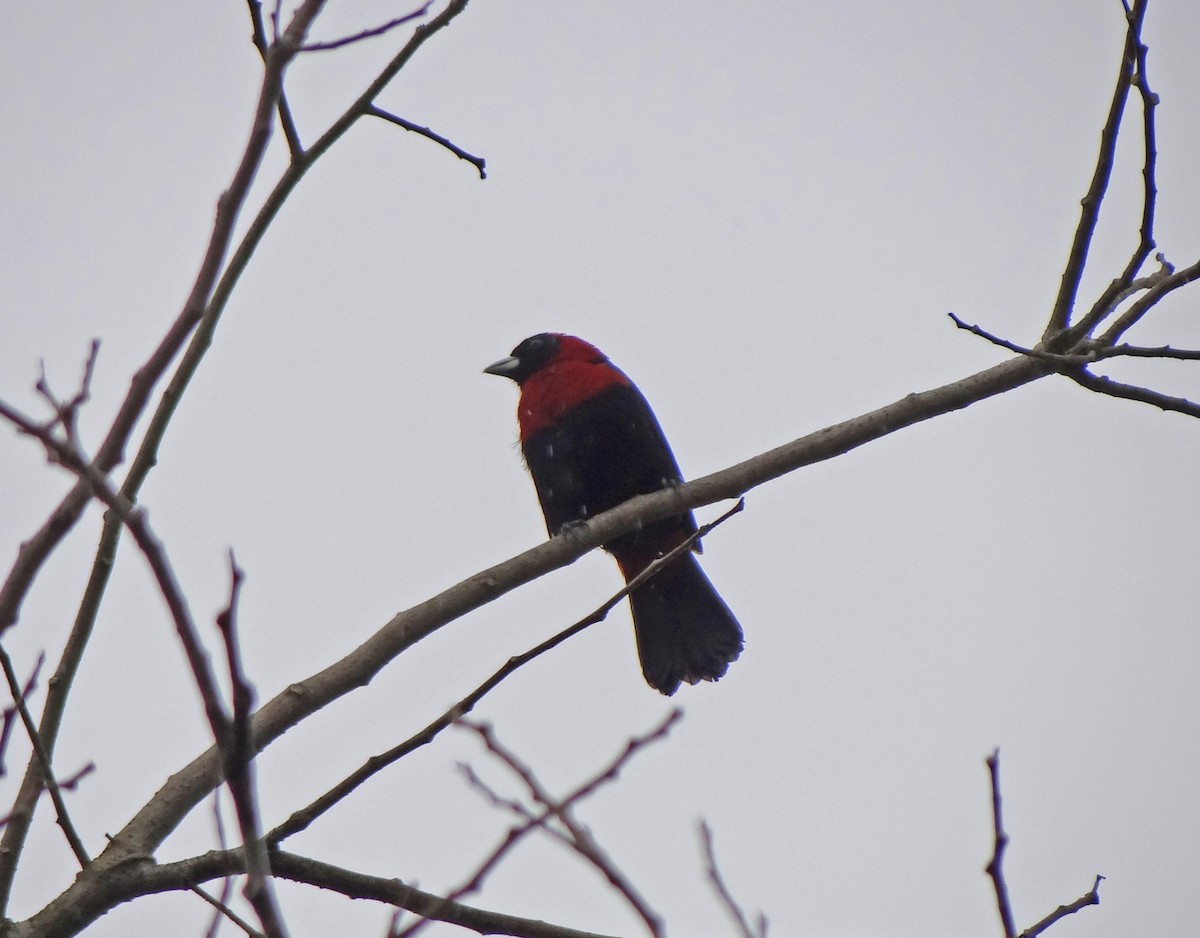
{"x": 763, "y": 212}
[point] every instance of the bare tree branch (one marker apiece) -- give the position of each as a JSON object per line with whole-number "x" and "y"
{"x": 1137, "y": 310}
{"x": 259, "y": 38}
{"x": 222, "y": 911}
{"x": 366, "y": 33}
{"x": 52, "y": 786}
{"x": 1060, "y": 316}
{"x": 99, "y": 890}
{"x": 198, "y": 314}
{"x": 35, "y": 551}
{"x": 580, "y": 838}
{"x": 239, "y": 754}
{"x": 124, "y": 867}
{"x": 1131, "y": 392}
{"x": 478, "y": 161}
{"x": 220, "y": 903}
{"x": 727, "y": 900}
{"x": 1111, "y": 297}
{"x": 531, "y": 821}
{"x": 301, "y": 819}
{"x": 995, "y": 869}
{"x": 188, "y": 786}
{"x": 361, "y": 886}
{"x": 66, "y": 452}
{"x": 11, "y": 713}
{"x": 1092, "y": 897}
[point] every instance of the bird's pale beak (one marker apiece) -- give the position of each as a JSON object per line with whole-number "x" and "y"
{"x": 504, "y": 368}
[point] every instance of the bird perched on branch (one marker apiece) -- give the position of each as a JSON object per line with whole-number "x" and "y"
{"x": 591, "y": 442}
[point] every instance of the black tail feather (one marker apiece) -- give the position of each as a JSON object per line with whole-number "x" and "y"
{"x": 685, "y": 632}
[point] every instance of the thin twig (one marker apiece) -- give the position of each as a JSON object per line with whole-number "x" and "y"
{"x": 723, "y": 893}
{"x": 581, "y": 839}
{"x": 478, "y": 161}
{"x": 531, "y": 822}
{"x": 366, "y": 33}
{"x": 220, "y": 903}
{"x": 70, "y": 783}
{"x": 52, "y": 786}
{"x": 10, "y": 713}
{"x": 259, "y": 37}
{"x": 1173, "y": 280}
{"x": 67, "y": 410}
{"x": 1004, "y": 343}
{"x": 996, "y": 871}
{"x": 67, "y": 453}
{"x": 34, "y": 553}
{"x": 301, "y": 819}
{"x": 1110, "y": 298}
{"x": 1138, "y": 351}
{"x": 223, "y": 911}
{"x": 429, "y": 906}
{"x": 239, "y": 753}
{"x": 1060, "y": 316}
{"x": 1095, "y": 351}
{"x": 995, "y": 867}
{"x": 1091, "y": 897}
{"x": 1102, "y": 384}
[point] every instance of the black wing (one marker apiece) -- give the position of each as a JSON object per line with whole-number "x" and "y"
{"x": 600, "y": 453}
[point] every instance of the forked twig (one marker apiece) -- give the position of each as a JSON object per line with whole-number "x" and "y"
{"x": 995, "y": 869}
{"x": 578, "y": 837}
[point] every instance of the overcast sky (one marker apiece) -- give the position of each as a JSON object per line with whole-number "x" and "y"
{"x": 763, "y": 212}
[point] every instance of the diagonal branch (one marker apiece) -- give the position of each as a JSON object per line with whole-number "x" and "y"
{"x": 66, "y": 452}
{"x": 1102, "y": 384}
{"x": 203, "y": 317}
{"x": 1091, "y": 897}
{"x": 111, "y": 452}
{"x": 579, "y": 837}
{"x": 362, "y": 886}
{"x": 367, "y": 33}
{"x": 286, "y": 120}
{"x": 191, "y": 784}
{"x": 43, "y": 757}
{"x": 301, "y": 819}
{"x": 727, "y": 900}
{"x": 37, "y": 549}
{"x": 1060, "y": 316}
{"x": 995, "y": 869}
{"x": 478, "y": 161}
{"x": 11, "y": 714}
{"x": 99, "y": 891}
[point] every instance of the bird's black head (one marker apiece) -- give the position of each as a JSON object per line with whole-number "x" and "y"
{"x": 527, "y": 357}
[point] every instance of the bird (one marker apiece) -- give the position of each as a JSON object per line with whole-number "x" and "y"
{"x": 590, "y": 441}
